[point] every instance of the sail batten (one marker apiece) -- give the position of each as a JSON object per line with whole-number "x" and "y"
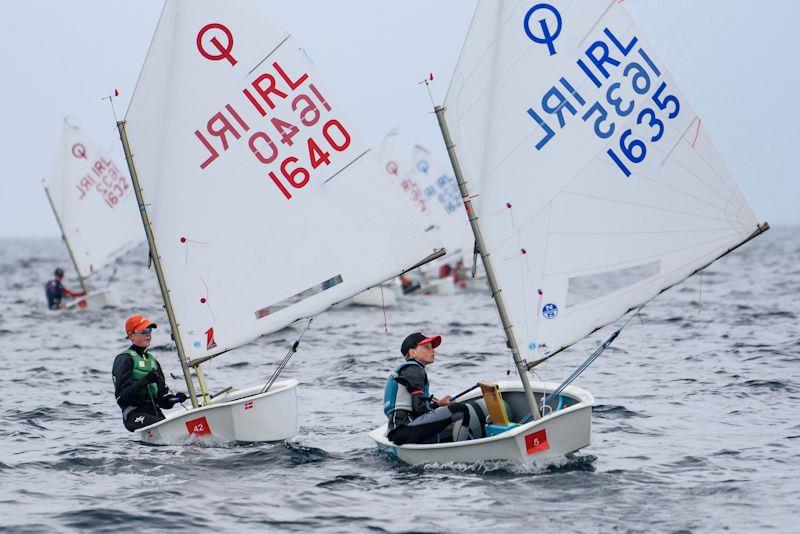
{"x": 599, "y": 187}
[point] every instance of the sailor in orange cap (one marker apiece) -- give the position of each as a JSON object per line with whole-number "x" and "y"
{"x": 139, "y": 384}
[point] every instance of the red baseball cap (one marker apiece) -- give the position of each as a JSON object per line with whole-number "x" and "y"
{"x": 419, "y": 339}
{"x": 138, "y": 322}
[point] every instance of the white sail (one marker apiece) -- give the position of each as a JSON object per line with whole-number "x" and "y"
{"x": 397, "y": 165}
{"x": 94, "y": 201}
{"x": 599, "y": 185}
{"x": 430, "y": 187}
{"x": 263, "y": 200}
{"x": 440, "y": 190}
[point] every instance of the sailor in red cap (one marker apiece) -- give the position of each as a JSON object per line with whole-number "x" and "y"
{"x": 415, "y": 416}
{"x": 139, "y": 384}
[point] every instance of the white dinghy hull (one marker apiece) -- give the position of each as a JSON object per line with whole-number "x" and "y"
{"x": 96, "y": 299}
{"x": 375, "y": 296}
{"x": 240, "y": 415}
{"x": 541, "y": 442}
{"x": 439, "y": 286}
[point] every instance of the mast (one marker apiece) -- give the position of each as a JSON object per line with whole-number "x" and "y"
{"x": 487, "y": 264}
{"x": 173, "y": 324}
{"x": 64, "y": 238}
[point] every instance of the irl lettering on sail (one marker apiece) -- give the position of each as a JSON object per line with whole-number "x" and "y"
{"x": 627, "y": 85}
{"x": 279, "y": 104}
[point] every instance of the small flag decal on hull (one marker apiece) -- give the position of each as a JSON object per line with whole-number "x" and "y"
{"x": 536, "y": 442}
{"x": 248, "y": 405}
{"x": 198, "y": 427}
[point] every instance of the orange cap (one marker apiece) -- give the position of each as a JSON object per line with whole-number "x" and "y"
{"x": 138, "y": 322}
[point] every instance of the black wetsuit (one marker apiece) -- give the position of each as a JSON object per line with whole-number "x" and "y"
{"x": 425, "y": 423}
{"x": 139, "y": 409}
{"x": 54, "y": 292}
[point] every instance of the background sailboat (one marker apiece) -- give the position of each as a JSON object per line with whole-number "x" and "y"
{"x": 429, "y": 186}
{"x": 599, "y": 189}
{"x": 259, "y": 201}
{"x": 94, "y": 205}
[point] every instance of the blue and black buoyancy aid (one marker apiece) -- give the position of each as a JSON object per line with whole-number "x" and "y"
{"x": 395, "y": 395}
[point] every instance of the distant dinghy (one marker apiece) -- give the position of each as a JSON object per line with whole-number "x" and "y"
{"x": 599, "y": 189}
{"x": 95, "y": 207}
{"x": 259, "y": 203}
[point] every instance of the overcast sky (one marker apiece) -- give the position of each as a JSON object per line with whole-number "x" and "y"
{"x": 735, "y": 60}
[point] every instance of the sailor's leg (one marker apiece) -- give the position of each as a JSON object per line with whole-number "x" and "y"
{"x": 423, "y": 429}
{"x": 435, "y": 426}
{"x": 140, "y": 419}
{"x": 460, "y": 422}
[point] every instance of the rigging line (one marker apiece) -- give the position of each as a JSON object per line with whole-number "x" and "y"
{"x": 271, "y": 52}
{"x": 736, "y": 193}
{"x": 346, "y": 166}
{"x": 383, "y": 306}
{"x": 577, "y": 372}
{"x": 700, "y": 293}
{"x": 577, "y": 176}
{"x": 642, "y": 232}
{"x": 542, "y": 273}
{"x": 658, "y": 255}
{"x": 585, "y": 365}
{"x": 760, "y": 229}
{"x": 685, "y": 193}
{"x": 738, "y": 198}
{"x": 731, "y": 196}
{"x": 646, "y": 206}
{"x": 680, "y": 138}
{"x": 285, "y": 360}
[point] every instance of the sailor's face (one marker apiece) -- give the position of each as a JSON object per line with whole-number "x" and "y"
{"x": 424, "y": 354}
{"x": 141, "y": 338}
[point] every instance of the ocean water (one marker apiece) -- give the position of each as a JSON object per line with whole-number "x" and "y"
{"x": 696, "y": 426}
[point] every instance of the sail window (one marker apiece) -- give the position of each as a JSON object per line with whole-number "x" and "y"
{"x": 294, "y": 299}
{"x": 582, "y": 289}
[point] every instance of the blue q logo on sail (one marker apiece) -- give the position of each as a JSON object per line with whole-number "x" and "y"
{"x": 548, "y": 28}
{"x": 550, "y": 311}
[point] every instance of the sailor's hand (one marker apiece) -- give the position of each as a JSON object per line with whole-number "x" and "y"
{"x": 180, "y": 397}
{"x": 444, "y": 401}
{"x": 152, "y": 376}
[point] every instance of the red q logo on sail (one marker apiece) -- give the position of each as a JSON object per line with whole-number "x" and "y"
{"x": 218, "y": 49}
{"x": 79, "y": 151}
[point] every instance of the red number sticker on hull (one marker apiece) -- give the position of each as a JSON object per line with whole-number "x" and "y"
{"x": 198, "y": 427}
{"x": 537, "y": 442}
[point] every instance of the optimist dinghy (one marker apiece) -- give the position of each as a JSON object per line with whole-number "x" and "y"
{"x": 564, "y": 427}
{"x": 599, "y": 189}
{"x": 95, "y": 208}
{"x": 258, "y": 201}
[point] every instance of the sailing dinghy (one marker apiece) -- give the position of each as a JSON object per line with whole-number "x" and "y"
{"x": 599, "y": 189}
{"x": 259, "y": 204}
{"x": 95, "y": 208}
{"x": 434, "y": 194}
